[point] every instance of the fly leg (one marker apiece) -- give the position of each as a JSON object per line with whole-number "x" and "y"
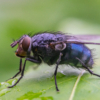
{"x": 20, "y": 68}
{"x": 91, "y": 72}
{"x": 22, "y": 71}
{"x": 32, "y": 59}
{"x": 55, "y": 73}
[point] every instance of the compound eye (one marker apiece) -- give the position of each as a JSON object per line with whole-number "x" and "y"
{"x": 26, "y": 43}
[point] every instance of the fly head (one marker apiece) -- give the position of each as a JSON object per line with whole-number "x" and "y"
{"x": 24, "y": 46}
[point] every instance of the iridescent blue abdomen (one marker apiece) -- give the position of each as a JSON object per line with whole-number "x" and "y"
{"x": 77, "y": 50}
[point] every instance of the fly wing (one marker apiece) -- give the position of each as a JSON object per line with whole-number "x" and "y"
{"x": 79, "y": 39}
{"x": 84, "y": 39}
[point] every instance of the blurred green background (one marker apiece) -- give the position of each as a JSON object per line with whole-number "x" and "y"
{"x": 18, "y": 17}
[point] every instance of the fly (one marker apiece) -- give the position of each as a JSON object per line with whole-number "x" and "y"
{"x": 56, "y": 49}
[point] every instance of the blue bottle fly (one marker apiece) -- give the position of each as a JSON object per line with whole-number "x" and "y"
{"x": 52, "y": 49}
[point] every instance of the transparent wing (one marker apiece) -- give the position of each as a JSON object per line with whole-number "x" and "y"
{"x": 85, "y": 37}
{"x": 80, "y": 39}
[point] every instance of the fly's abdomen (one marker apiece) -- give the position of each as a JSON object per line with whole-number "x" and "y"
{"x": 83, "y": 53}
{"x": 87, "y": 57}
{"x": 80, "y": 51}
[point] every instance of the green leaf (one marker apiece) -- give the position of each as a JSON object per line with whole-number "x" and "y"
{"x": 38, "y": 84}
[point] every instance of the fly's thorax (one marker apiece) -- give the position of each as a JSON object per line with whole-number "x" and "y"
{"x": 24, "y": 47}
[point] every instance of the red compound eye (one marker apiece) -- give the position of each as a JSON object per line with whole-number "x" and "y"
{"x": 26, "y": 43}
